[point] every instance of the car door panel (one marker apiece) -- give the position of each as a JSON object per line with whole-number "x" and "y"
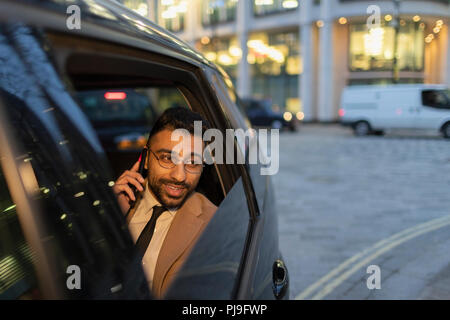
{"x": 263, "y": 249}
{"x": 66, "y": 176}
{"x": 212, "y": 269}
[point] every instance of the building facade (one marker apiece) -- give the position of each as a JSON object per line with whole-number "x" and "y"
{"x": 302, "y": 53}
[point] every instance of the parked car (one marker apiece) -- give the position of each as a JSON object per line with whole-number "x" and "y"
{"x": 72, "y": 101}
{"x": 261, "y": 114}
{"x": 373, "y": 109}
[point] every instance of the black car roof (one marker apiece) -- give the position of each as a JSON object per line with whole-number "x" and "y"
{"x": 109, "y": 18}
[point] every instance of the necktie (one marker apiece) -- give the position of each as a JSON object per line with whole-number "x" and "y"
{"x": 146, "y": 235}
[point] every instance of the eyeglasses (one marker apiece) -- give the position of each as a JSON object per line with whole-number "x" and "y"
{"x": 169, "y": 161}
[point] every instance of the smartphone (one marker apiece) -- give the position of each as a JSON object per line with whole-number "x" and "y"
{"x": 141, "y": 171}
{"x": 142, "y": 158}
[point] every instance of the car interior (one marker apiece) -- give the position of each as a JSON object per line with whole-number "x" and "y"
{"x": 122, "y": 93}
{"x": 123, "y": 119}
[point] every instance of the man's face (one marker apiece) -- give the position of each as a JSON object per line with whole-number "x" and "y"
{"x": 172, "y": 186}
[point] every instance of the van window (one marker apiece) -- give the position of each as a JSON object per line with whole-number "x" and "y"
{"x": 436, "y": 98}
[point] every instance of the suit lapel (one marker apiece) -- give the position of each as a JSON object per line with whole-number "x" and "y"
{"x": 183, "y": 230}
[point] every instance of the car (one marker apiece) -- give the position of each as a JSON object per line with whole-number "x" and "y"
{"x": 374, "y": 109}
{"x": 76, "y": 105}
{"x": 261, "y": 114}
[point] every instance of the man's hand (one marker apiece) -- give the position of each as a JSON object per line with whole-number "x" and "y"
{"x": 123, "y": 191}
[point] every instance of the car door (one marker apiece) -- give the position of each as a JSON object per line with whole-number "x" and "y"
{"x": 59, "y": 182}
{"x": 261, "y": 277}
{"x": 213, "y": 270}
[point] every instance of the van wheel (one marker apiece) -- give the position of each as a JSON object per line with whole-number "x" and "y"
{"x": 362, "y": 128}
{"x": 446, "y": 130}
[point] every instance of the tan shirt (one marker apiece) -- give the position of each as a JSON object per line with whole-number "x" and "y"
{"x": 137, "y": 223}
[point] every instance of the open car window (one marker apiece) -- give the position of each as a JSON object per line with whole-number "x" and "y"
{"x": 123, "y": 118}
{"x": 123, "y": 124}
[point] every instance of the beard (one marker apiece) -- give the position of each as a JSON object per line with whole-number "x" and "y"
{"x": 158, "y": 187}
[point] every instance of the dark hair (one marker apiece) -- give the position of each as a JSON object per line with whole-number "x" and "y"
{"x": 178, "y": 118}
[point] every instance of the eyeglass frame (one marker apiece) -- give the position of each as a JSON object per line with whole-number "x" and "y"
{"x": 174, "y": 164}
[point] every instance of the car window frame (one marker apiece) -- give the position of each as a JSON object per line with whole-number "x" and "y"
{"x": 196, "y": 97}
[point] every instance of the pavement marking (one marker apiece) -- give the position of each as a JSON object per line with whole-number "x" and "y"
{"x": 384, "y": 245}
{"x": 330, "y": 287}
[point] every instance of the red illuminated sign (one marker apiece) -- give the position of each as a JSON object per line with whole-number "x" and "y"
{"x": 115, "y": 95}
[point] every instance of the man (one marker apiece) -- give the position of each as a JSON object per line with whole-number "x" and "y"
{"x": 168, "y": 195}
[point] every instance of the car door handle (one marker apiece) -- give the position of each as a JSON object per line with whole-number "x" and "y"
{"x": 280, "y": 279}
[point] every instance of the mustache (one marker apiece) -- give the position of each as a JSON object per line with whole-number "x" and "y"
{"x": 175, "y": 183}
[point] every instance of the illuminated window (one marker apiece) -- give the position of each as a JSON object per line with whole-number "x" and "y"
{"x": 171, "y": 14}
{"x": 383, "y": 81}
{"x": 217, "y": 11}
{"x": 373, "y": 50}
{"x": 274, "y": 59}
{"x": 140, "y": 6}
{"x": 275, "y": 66}
{"x": 224, "y": 52}
{"x": 274, "y": 53}
{"x": 263, "y": 7}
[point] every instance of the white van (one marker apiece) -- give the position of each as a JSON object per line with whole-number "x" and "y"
{"x": 373, "y": 108}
